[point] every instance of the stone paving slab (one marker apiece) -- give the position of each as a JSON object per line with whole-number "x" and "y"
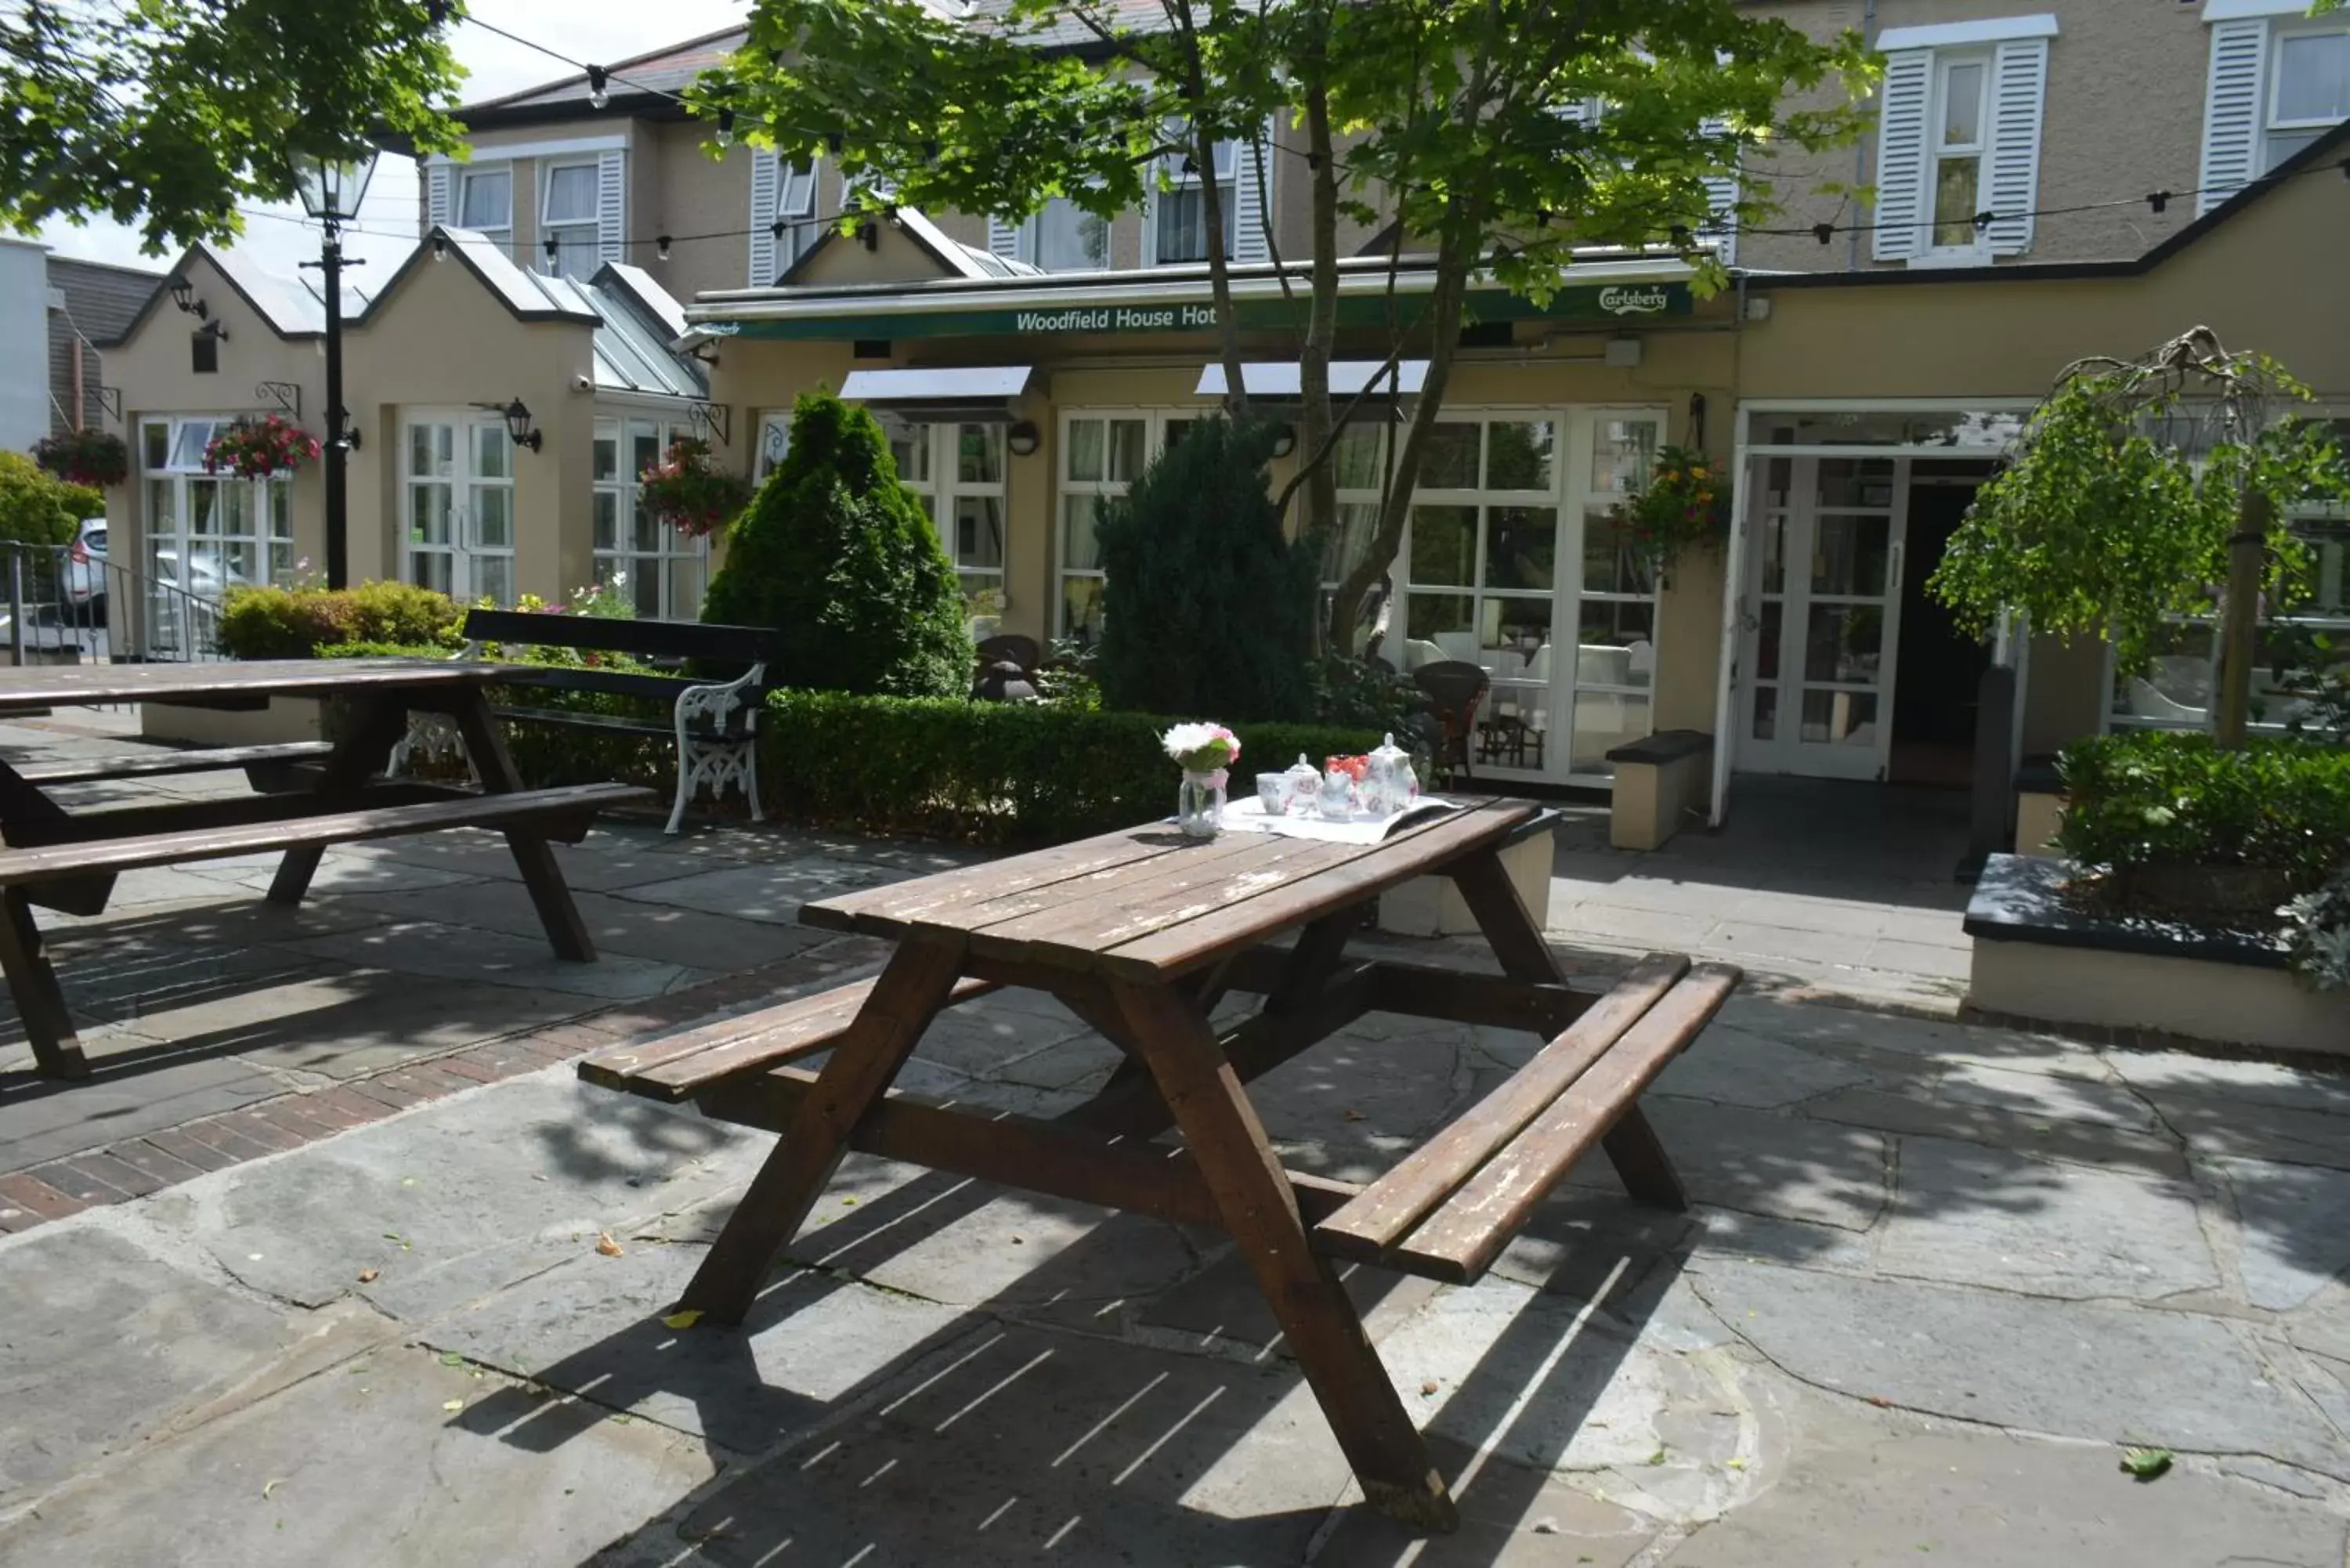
{"x": 618, "y": 927}
{"x": 2065, "y": 1369}
{"x": 772, "y": 891}
{"x": 367, "y": 1465}
{"x": 41, "y": 1120}
{"x": 1874, "y": 1488}
{"x": 471, "y": 954}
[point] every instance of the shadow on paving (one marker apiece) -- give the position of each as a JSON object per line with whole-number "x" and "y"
{"x": 1017, "y": 1426}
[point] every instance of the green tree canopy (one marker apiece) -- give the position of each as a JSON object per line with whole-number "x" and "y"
{"x": 2137, "y": 489}
{"x": 169, "y": 114}
{"x": 837, "y": 555}
{"x": 1496, "y": 136}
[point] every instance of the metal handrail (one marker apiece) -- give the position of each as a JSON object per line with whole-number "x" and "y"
{"x": 100, "y": 612}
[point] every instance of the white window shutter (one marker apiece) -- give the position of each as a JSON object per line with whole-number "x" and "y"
{"x": 1252, "y": 199}
{"x": 440, "y": 195}
{"x": 1722, "y": 200}
{"x": 766, "y": 186}
{"x": 2012, "y": 184}
{"x": 1003, "y": 239}
{"x": 1901, "y": 154}
{"x": 611, "y": 206}
{"x": 2231, "y": 110}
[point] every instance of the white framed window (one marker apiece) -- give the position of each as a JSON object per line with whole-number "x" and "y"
{"x": 782, "y": 215}
{"x": 1958, "y": 135}
{"x": 956, "y": 471}
{"x": 485, "y": 203}
{"x": 570, "y": 236}
{"x": 206, "y": 532}
{"x": 2180, "y": 690}
{"x": 659, "y": 571}
{"x": 1179, "y": 221}
{"x": 2278, "y": 80}
{"x": 1065, "y": 237}
{"x": 1102, "y": 453}
{"x": 775, "y": 443}
{"x": 2309, "y": 86}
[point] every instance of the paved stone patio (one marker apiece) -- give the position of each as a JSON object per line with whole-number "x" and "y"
{"x": 1935, "y": 1275}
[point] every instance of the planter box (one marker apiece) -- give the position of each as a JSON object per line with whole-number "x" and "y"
{"x": 286, "y": 718}
{"x": 1432, "y": 906}
{"x": 2037, "y": 958}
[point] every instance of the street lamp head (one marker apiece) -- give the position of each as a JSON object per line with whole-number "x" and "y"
{"x": 184, "y": 294}
{"x": 332, "y": 188}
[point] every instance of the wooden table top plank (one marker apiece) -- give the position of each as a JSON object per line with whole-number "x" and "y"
{"x": 1176, "y": 889}
{"x": 888, "y": 910}
{"x": 63, "y": 685}
{"x": 1414, "y": 852}
{"x": 1186, "y": 855}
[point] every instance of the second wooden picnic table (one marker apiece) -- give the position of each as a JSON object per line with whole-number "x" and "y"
{"x": 1140, "y": 934}
{"x": 311, "y": 794}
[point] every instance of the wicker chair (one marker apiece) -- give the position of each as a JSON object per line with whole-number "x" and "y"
{"x": 1454, "y": 688}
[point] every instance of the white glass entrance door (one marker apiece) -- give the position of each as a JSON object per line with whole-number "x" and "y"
{"x": 457, "y": 502}
{"x": 1824, "y": 601}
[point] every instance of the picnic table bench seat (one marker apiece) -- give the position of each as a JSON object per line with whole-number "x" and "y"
{"x": 265, "y": 767}
{"x": 714, "y": 724}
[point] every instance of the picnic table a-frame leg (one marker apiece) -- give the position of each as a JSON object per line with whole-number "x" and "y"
{"x": 40, "y": 999}
{"x": 542, "y": 873}
{"x": 1259, "y": 1207}
{"x": 911, "y": 991}
{"x": 358, "y": 755}
{"x": 1631, "y": 1146}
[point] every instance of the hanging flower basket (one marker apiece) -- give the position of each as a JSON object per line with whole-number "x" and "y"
{"x": 260, "y": 449}
{"x": 85, "y": 456}
{"x": 689, "y": 492}
{"x": 1678, "y": 505}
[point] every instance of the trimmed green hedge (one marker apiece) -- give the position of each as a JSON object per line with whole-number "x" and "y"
{"x": 992, "y": 771}
{"x": 336, "y": 623}
{"x": 2155, "y": 798}
{"x": 938, "y": 766}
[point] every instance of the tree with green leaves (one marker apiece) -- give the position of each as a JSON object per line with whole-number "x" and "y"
{"x": 2138, "y": 488}
{"x": 1491, "y": 139}
{"x": 837, "y": 555}
{"x": 170, "y": 114}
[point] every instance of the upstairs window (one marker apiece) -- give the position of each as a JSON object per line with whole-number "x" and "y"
{"x": 1180, "y": 223}
{"x": 1958, "y": 135}
{"x": 568, "y": 239}
{"x": 485, "y": 205}
{"x": 2278, "y": 80}
{"x": 782, "y": 216}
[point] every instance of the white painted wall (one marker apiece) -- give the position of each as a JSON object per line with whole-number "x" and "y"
{"x": 24, "y": 344}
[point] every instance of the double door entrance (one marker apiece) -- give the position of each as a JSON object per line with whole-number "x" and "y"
{"x": 457, "y": 506}
{"x": 1847, "y": 668}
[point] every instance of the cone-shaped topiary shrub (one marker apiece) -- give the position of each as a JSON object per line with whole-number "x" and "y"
{"x": 837, "y": 555}
{"x": 1207, "y": 609}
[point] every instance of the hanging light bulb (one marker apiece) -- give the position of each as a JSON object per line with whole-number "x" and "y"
{"x": 725, "y": 137}
{"x": 660, "y": 246}
{"x": 439, "y": 245}
{"x": 598, "y": 76}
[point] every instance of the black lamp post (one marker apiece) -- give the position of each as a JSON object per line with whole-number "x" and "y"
{"x": 331, "y": 190}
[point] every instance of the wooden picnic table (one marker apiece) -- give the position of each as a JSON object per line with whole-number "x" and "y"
{"x": 310, "y": 795}
{"x": 1140, "y": 934}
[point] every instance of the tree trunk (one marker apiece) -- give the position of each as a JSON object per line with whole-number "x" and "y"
{"x": 1220, "y": 276}
{"x": 1315, "y": 414}
{"x": 1445, "y": 299}
{"x": 2240, "y": 617}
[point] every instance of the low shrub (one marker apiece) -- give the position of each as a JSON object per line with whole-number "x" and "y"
{"x": 992, "y": 771}
{"x": 304, "y": 622}
{"x": 2163, "y": 798}
{"x": 37, "y": 507}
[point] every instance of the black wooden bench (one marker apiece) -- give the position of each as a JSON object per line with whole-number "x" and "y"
{"x": 714, "y": 722}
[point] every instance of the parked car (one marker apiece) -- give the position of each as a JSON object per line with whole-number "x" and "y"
{"x": 208, "y": 577}
{"x": 84, "y": 574}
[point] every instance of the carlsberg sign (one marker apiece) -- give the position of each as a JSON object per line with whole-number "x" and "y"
{"x": 1635, "y": 299}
